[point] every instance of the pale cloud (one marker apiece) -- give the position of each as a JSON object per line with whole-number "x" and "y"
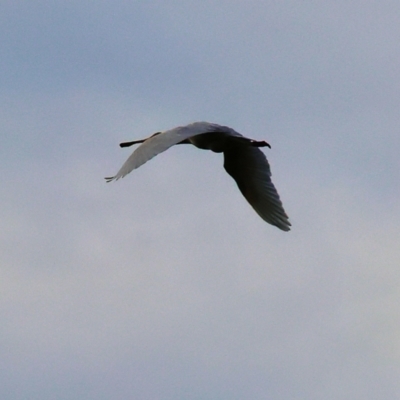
{"x": 166, "y": 284}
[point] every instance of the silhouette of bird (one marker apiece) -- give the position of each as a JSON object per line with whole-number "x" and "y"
{"x": 243, "y": 161}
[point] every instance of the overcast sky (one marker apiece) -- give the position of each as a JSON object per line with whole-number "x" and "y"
{"x": 166, "y": 284}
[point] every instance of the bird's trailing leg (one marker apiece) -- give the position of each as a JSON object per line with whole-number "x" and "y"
{"x": 127, "y": 144}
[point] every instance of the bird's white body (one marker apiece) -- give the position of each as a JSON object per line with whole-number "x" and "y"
{"x": 243, "y": 160}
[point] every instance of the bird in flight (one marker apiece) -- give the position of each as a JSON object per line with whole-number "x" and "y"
{"x": 243, "y": 161}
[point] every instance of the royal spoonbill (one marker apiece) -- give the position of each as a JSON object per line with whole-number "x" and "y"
{"x": 243, "y": 160}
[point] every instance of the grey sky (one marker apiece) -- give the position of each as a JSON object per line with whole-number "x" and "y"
{"x": 166, "y": 284}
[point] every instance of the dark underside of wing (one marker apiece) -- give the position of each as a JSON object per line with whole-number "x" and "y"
{"x": 249, "y": 167}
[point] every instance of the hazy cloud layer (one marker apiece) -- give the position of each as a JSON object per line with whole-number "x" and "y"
{"x": 166, "y": 284}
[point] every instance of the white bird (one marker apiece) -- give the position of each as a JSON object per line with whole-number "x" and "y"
{"x": 243, "y": 160}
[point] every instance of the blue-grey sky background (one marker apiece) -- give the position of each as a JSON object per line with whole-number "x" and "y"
{"x": 166, "y": 284}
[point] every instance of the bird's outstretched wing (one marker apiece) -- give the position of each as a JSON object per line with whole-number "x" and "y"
{"x": 156, "y": 144}
{"x": 249, "y": 167}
